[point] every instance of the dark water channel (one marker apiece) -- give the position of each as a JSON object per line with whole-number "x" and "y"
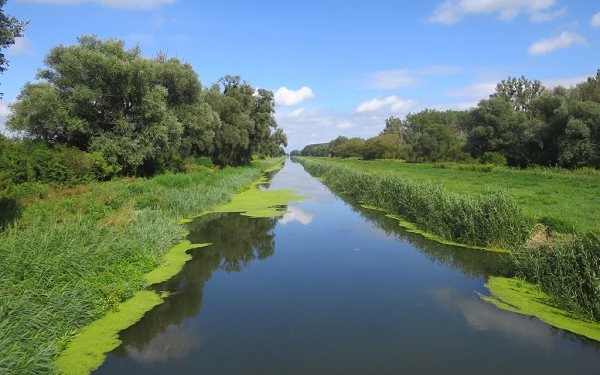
{"x": 335, "y": 289}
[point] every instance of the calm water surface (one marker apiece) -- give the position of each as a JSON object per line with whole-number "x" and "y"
{"x": 334, "y": 289}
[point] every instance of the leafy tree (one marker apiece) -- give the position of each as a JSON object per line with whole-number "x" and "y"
{"x": 497, "y": 127}
{"x": 393, "y": 125}
{"x": 317, "y": 149}
{"x": 353, "y": 147}
{"x": 519, "y": 92}
{"x": 98, "y": 96}
{"x": 438, "y": 143}
{"x": 10, "y": 29}
{"x": 387, "y": 146}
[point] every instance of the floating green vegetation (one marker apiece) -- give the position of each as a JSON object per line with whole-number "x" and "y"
{"x": 259, "y": 203}
{"x": 524, "y": 298}
{"x": 172, "y": 262}
{"x": 86, "y": 352}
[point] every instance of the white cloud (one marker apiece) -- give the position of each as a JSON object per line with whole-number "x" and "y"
{"x": 564, "y": 40}
{"x": 127, "y": 4}
{"x": 595, "y": 22}
{"x": 22, "y": 46}
{"x": 389, "y": 79}
{"x": 391, "y": 103}
{"x": 288, "y": 98}
{"x": 295, "y": 213}
{"x": 453, "y": 11}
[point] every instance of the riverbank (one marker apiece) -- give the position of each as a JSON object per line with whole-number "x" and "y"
{"x": 561, "y": 261}
{"x": 78, "y": 253}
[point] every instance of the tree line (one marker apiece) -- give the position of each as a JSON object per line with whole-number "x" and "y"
{"x": 99, "y": 110}
{"x": 522, "y": 123}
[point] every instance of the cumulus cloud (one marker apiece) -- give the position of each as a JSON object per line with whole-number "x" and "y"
{"x": 453, "y": 11}
{"x": 595, "y": 22}
{"x": 288, "y": 98}
{"x": 391, "y": 103}
{"x": 564, "y": 40}
{"x": 127, "y": 4}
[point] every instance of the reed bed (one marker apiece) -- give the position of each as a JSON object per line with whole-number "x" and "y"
{"x": 491, "y": 220}
{"x": 68, "y": 260}
{"x": 568, "y": 271}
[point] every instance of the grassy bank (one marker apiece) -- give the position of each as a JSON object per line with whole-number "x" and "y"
{"x": 564, "y": 200}
{"x": 561, "y": 256}
{"x": 71, "y": 256}
{"x": 492, "y": 220}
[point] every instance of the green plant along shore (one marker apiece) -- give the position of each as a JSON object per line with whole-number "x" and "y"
{"x": 493, "y": 220}
{"x": 79, "y": 253}
{"x": 563, "y": 261}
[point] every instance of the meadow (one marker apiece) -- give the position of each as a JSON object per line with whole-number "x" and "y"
{"x": 69, "y": 255}
{"x": 563, "y": 200}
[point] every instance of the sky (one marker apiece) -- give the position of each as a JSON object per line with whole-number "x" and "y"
{"x": 336, "y": 67}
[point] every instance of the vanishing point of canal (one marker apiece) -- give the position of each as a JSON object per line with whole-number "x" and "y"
{"x": 331, "y": 288}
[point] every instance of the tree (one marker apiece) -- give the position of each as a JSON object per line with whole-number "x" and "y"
{"x": 99, "y": 96}
{"x": 437, "y": 143}
{"x": 519, "y": 92}
{"x": 498, "y": 127}
{"x": 387, "y": 146}
{"x": 10, "y": 29}
{"x": 349, "y": 149}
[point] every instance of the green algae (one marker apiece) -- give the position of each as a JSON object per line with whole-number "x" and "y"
{"x": 525, "y": 298}
{"x": 87, "y": 350}
{"x": 259, "y": 203}
{"x": 412, "y": 228}
{"x": 172, "y": 262}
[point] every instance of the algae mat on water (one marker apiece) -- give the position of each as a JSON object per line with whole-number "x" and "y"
{"x": 525, "y": 298}
{"x": 88, "y": 350}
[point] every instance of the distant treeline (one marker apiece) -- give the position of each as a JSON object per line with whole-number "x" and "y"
{"x": 523, "y": 123}
{"x": 100, "y": 110}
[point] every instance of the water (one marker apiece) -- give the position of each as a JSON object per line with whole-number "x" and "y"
{"x": 335, "y": 289}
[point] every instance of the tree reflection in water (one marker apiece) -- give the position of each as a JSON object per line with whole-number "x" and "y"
{"x": 236, "y": 241}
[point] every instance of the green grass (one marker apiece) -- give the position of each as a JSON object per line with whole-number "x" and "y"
{"x": 564, "y": 200}
{"x": 72, "y": 255}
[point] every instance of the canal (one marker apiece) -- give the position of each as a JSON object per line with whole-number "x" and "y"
{"x": 332, "y": 288}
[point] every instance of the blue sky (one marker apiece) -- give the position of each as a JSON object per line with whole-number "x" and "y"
{"x": 336, "y": 67}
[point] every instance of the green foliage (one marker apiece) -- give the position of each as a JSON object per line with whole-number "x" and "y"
{"x": 386, "y": 146}
{"x": 10, "y": 28}
{"x": 494, "y": 158}
{"x": 144, "y": 116}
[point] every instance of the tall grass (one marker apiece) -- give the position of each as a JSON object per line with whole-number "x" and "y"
{"x": 489, "y": 220}
{"x": 69, "y": 259}
{"x": 568, "y": 271}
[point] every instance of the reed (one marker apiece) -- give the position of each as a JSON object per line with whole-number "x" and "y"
{"x": 490, "y": 220}
{"x": 568, "y": 271}
{"x": 67, "y": 260}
